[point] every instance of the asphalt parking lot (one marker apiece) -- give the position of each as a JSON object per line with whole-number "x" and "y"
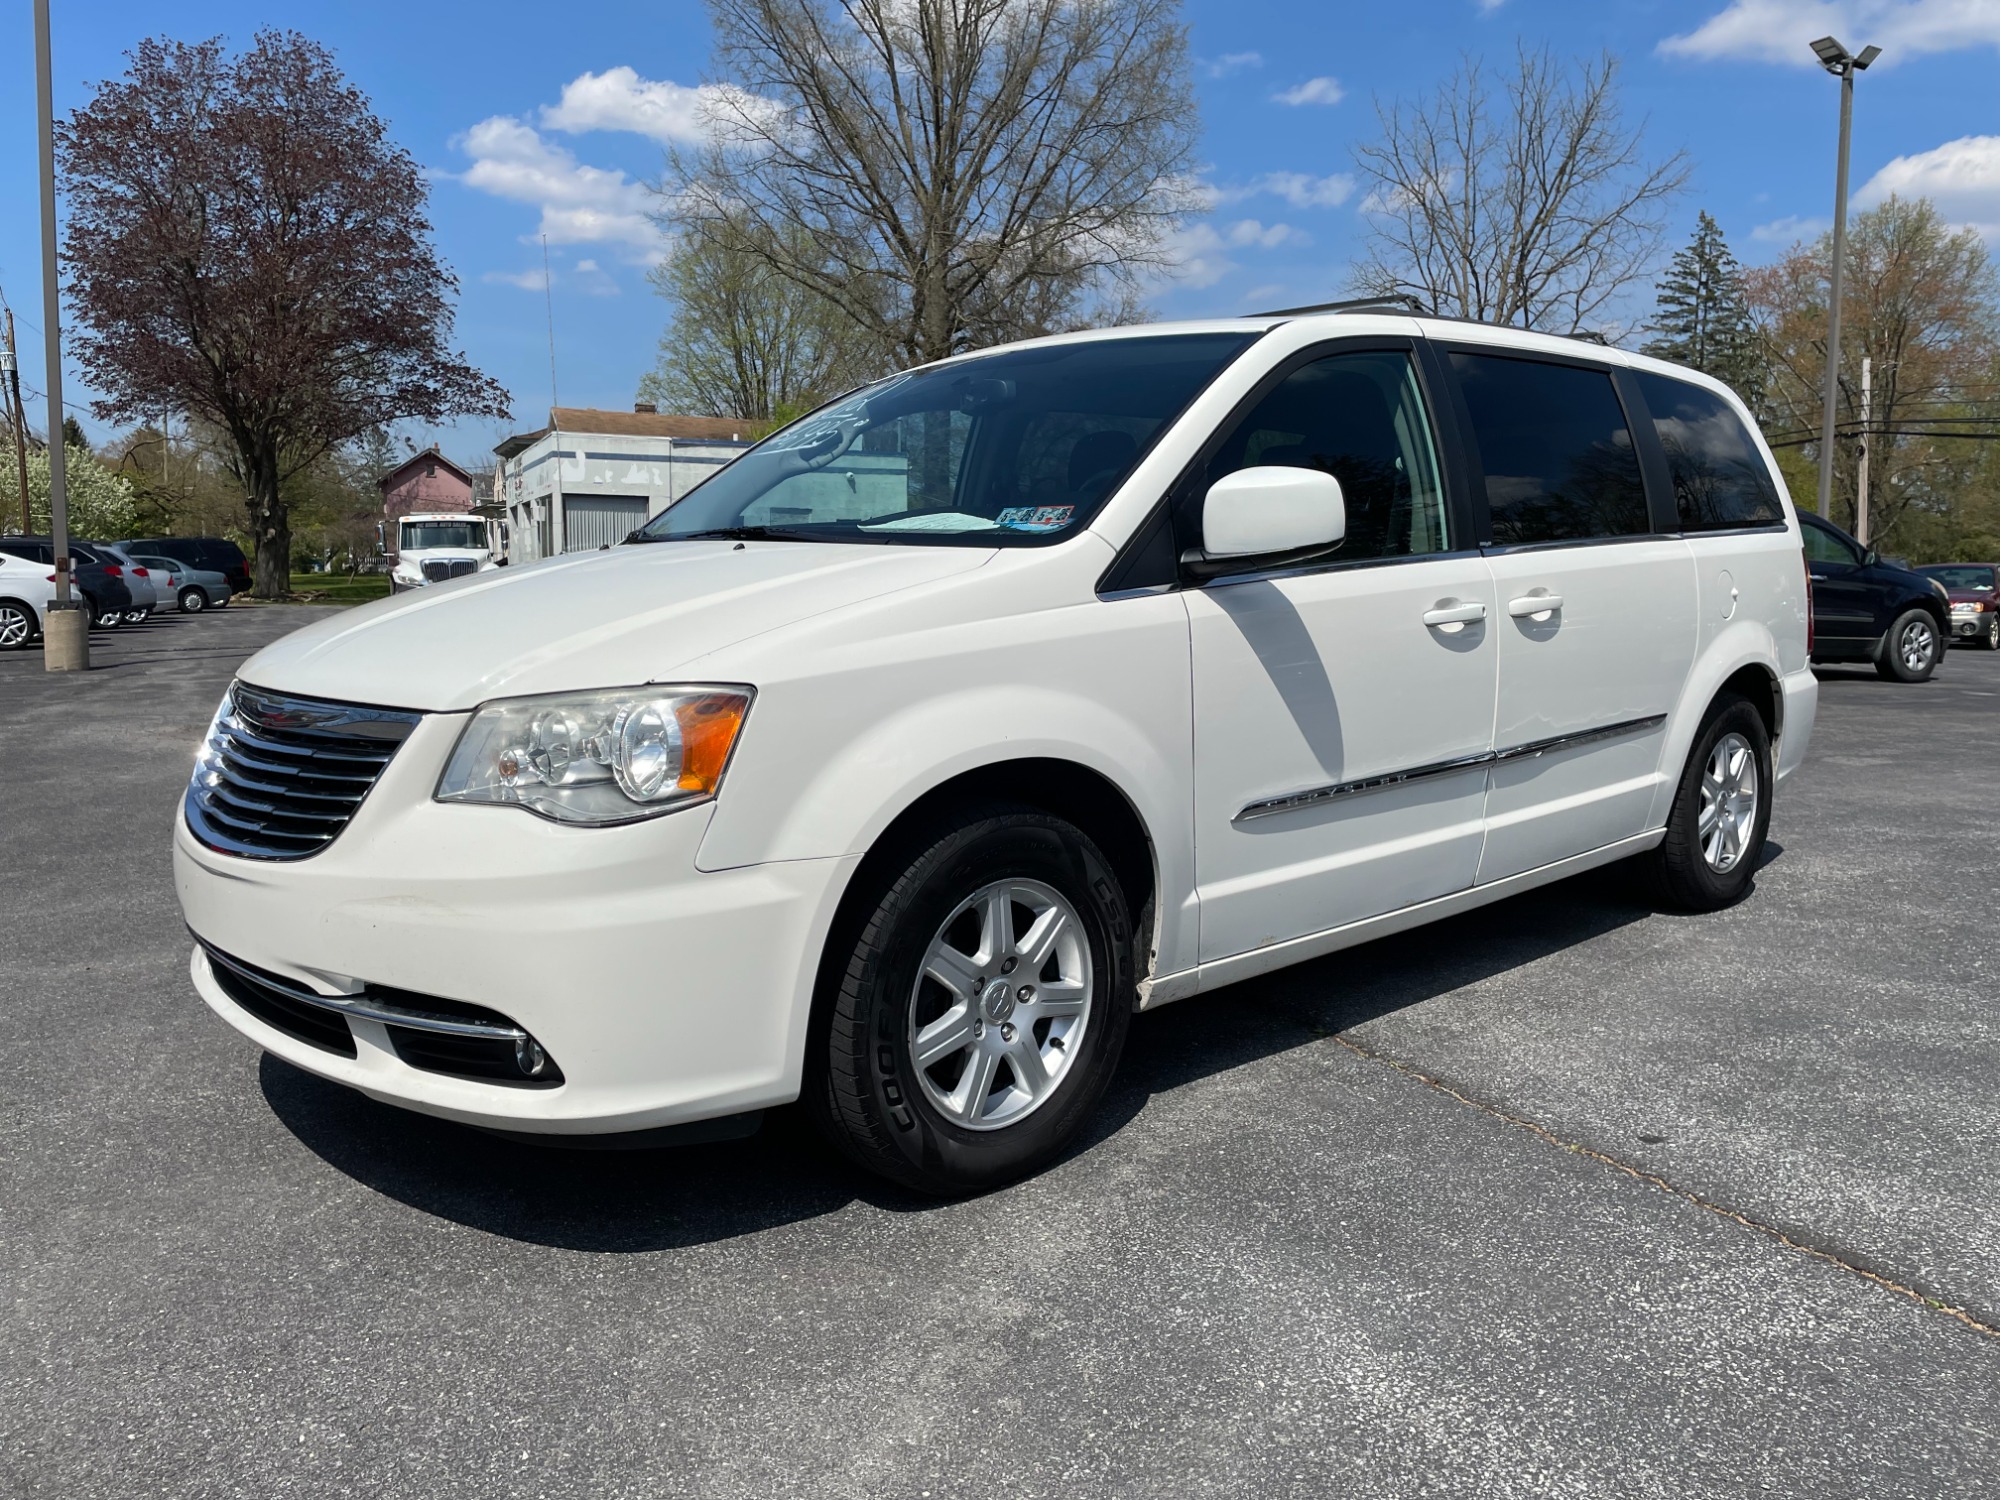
{"x": 1564, "y": 1197}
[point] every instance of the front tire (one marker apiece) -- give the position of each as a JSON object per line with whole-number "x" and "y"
{"x": 1721, "y": 812}
{"x": 1991, "y": 640}
{"x": 1911, "y": 649}
{"x": 136, "y": 616}
{"x": 193, "y": 601}
{"x": 979, "y": 1003}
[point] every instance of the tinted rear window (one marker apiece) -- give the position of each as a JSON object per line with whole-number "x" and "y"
{"x": 1966, "y": 579}
{"x": 1719, "y": 477}
{"x": 1555, "y": 450}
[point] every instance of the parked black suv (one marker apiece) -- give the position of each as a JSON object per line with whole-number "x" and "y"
{"x": 1865, "y": 609}
{"x": 214, "y": 553}
{"x": 102, "y": 584}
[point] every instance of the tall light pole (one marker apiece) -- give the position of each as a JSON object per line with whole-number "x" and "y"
{"x": 1842, "y": 65}
{"x": 66, "y": 631}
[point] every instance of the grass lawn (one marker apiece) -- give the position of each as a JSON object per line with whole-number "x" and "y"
{"x": 338, "y": 588}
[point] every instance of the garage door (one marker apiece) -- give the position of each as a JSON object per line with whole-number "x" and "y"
{"x": 593, "y": 521}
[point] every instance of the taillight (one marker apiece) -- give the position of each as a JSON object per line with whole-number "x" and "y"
{"x": 1809, "y": 602}
{"x": 112, "y": 570}
{"x": 138, "y": 572}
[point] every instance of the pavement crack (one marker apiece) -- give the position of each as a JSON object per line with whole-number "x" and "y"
{"x": 1655, "y": 1180}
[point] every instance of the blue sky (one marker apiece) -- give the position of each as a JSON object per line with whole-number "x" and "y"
{"x": 533, "y": 119}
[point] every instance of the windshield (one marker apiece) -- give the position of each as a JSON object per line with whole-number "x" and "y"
{"x": 1007, "y": 449}
{"x": 1969, "y": 580}
{"x": 418, "y": 535}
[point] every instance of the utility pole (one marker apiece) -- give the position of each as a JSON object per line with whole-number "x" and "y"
{"x": 66, "y": 631}
{"x": 1867, "y": 441}
{"x": 1837, "y": 61}
{"x": 17, "y": 418}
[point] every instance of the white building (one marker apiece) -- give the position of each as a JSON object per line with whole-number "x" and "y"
{"x": 589, "y": 477}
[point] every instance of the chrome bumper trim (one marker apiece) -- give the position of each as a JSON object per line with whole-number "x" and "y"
{"x": 366, "y": 1008}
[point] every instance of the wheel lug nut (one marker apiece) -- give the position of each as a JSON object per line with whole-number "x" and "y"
{"x": 978, "y": 1028}
{"x": 1026, "y": 992}
{"x": 1006, "y": 1031}
{"x": 1007, "y": 967}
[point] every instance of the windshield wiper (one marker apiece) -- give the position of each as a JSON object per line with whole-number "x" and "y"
{"x": 721, "y": 533}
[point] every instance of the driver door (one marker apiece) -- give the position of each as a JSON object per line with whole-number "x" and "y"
{"x": 1343, "y": 711}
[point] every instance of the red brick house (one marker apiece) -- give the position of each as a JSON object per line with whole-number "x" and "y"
{"x": 426, "y": 481}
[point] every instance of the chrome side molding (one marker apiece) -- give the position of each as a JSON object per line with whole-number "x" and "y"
{"x": 1314, "y": 796}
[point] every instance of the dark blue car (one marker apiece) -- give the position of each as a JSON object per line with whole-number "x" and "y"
{"x": 1866, "y": 609}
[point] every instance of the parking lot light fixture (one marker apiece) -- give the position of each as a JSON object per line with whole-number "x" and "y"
{"x": 66, "y": 631}
{"x": 1838, "y": 61}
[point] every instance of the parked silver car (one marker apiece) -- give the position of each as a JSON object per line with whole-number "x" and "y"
{"x": 145, "y": 597}
{"x": 190, "y": 590}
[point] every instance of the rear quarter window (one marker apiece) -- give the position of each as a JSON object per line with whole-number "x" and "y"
{"x": 1554, "y": 450}
{"x": 1719, "y": 478}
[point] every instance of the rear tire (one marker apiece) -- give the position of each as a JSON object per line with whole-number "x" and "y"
{"x": 1911, "y": 648}
{"x": 1721, "y": 813}
{"x": 1991, "y": 640}
{"x": 111, "y": 619}
{"x": 193, "y": 601}
{"x": 136, "y": 616}
{"x": 976, "y": 898}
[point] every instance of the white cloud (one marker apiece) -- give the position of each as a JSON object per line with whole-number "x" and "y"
{"x": 1198, "y": 255}
{"x": 579, "y": 204}
{"x": 1962, "y": 177}
{"x": 1260, "y": 296}
{"x": 1232, "y": 62}
{"x": 619, "y": 99}
{"x": 528, "y": 281}
{"x": 1788, "y": 230}
{"x": 1245, "y": 233}
{"x": 1778, "y": 30}
{"x": 1299, "y": 189}
{"x": 1312, "y": 91}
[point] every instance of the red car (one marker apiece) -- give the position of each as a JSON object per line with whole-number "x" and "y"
{"x": 1975, "y": 600}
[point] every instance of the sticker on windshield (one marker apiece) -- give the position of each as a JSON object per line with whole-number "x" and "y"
{"x": 1037, "y": 517}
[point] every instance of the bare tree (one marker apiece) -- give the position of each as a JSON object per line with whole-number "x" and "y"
{"x": 946, "y": 173}
{"x": 1535, "y": 208}
{"x": 745, "y": 341}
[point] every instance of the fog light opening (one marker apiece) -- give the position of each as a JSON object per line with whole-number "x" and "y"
{"x": 530, "y": 1058}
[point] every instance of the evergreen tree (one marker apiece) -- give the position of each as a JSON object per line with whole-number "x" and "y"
{"x": 73, "y": 434}
{"x": 1702, "y": 315}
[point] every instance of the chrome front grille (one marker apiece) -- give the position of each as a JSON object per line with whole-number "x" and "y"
{"x": 437, "y": 570}
{"x": 279, "y": 777}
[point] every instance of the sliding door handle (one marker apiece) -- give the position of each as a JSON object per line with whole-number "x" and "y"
{"x": 1530, "y": 605}
{"x": 1455, "y": 614}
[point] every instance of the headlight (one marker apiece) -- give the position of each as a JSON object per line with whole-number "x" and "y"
{"x": 605, "y": 757}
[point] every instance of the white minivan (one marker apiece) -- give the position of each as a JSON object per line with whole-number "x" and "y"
{"x": 896, "y": 765}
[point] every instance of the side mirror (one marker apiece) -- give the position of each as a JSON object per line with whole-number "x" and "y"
{"x": 1870, "y": 558}
{"x": 1271, "y": 511}
{"x": 381, "y": 541}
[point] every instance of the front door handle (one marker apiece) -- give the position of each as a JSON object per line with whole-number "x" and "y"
{"x": 1534, "y": 604}
{"x": 1817, "y": 577}
{"x": 1455, "y": 614}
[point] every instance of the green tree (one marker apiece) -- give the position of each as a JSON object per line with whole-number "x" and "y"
{"x": 1701, "y": 318}
{"x": 746, "y": 341}
{"x": 1921, "y": 301}
{"x": 100, "y": 502}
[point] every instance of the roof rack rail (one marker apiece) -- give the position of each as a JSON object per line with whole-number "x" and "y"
{"x": 1399, "y": 301}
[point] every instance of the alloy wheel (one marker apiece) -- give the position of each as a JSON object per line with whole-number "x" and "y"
{"x": 999, "y": 1010}
{"x": 1728, "y": 802}
{"x": 1917, "y": 644}
{"x": 16, "y": 627}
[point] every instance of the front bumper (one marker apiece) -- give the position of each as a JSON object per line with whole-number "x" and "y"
{"x": 663, "y": 994}
{"x": 1970, "y": 627}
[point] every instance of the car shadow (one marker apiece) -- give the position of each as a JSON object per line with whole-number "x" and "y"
{"x": 658, "y": 1199}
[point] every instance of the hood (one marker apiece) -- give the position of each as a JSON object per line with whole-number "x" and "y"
{"x": 590, "y": 620}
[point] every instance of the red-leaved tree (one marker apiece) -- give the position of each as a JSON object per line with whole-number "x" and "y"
{"x": 246, "y": 245}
